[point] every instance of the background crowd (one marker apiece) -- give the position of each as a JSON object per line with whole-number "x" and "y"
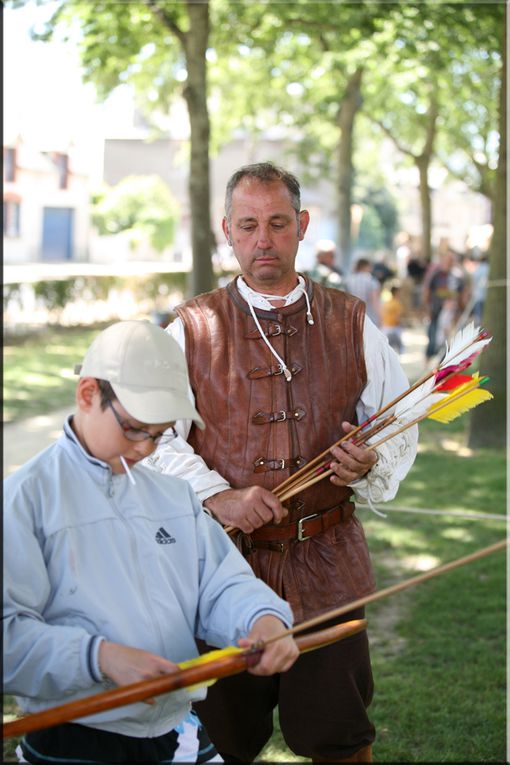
{"x": 402, "y": 290}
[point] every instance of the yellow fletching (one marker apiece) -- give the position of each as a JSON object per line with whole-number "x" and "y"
{"x": 446, "y": 412}
{"x": 230, "y": 650}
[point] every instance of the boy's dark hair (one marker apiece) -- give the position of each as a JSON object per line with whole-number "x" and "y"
{"x": 107, "y": 392}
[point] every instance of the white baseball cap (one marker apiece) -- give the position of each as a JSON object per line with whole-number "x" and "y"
{"x": 147, "y": 370}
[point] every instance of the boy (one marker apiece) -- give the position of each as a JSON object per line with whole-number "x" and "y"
{"x": 112, "y": 569}
{"x": 391, "y": 314}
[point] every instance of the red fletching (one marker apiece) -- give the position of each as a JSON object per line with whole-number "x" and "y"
{"x": 464, "y": 364}
{"x": 454, "y": 382}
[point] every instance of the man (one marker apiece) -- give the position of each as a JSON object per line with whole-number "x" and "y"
{"x": 281, "y": 368}
{"x": 445, "y": 293}
{"x": 112, "y": 570}
{"x": 364, "y": 286}
{"x": 325, "y": 270}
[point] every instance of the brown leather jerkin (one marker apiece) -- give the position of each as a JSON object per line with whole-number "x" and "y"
{"x": 261, "y": 428}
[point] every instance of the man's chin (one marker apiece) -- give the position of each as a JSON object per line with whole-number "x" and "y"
{"x": 267, "y": 273}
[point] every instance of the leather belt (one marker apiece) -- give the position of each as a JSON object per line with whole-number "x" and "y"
{"x": 275, "y": 537}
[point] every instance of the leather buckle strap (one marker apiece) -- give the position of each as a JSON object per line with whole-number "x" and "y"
{"x": 273, "y": 537}
{"x": 262, "y": 464}
{"x": 273, "y": 330}
{"x": 261, "y": 418}
{"x": 259, "y": 372}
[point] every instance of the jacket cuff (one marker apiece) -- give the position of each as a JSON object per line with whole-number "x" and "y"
{"x": 93, "y": 659}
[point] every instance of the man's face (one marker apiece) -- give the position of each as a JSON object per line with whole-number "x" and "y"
{"x": 265, "y": 232}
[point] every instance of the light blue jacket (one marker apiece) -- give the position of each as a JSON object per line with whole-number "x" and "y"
{"x": 88, "y": 555}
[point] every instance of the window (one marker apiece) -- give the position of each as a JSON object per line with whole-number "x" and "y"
{"x": 9, "y": 163}
{"x": 11, "y": 219}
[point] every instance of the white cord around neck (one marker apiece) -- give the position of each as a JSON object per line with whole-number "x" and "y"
{"x": 262, "y": 300}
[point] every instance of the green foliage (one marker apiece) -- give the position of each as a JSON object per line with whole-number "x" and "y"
{"x": 371, "y": 232}
{"x": 11, "y": 292}
{"x": 141, "y": 204}
{"x": 56, "y": 294}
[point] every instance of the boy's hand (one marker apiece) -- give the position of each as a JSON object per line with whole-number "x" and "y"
{"x": 278, "y": 656}
{"x": 124, "y": 665}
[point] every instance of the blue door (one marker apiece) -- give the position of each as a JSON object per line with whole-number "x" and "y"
{"x": 57, "y": 241}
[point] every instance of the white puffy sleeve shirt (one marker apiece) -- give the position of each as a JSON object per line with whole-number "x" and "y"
{"x": 385, "y": 381}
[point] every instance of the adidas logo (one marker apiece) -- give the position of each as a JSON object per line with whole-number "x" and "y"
{"x": 163, "y": 537}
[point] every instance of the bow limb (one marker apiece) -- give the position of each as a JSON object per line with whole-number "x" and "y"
{"x": 199, "y": 674}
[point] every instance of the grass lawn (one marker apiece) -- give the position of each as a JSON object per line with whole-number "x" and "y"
{"x": 438, "y": 649}
{"x": 39, "y": 370}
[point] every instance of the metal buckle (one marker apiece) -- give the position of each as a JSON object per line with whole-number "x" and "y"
{"x": 300, "y": 536}
{"x": 280, "y": 416}
{"x": 281, "y": 464}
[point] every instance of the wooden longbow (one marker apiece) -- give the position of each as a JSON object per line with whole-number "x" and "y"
{"x": 229, "y": 665}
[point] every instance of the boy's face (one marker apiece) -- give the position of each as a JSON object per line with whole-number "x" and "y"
{"x": 102, "y": 431}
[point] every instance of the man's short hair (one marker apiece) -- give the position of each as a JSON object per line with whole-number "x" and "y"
{"x": 264, "y": 172}
{"x": 362, "y": 263}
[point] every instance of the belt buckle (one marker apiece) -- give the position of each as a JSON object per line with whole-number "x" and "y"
{"x": 300, "y": 535}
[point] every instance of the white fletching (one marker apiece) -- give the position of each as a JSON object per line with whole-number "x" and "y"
{"x": 463, "y": 345}
{"x": 417, "y": 402}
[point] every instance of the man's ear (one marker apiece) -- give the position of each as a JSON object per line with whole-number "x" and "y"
{"x": 86, "y": 391}
{"x": 224, "y": 225}
{"x": 304, "y": 220}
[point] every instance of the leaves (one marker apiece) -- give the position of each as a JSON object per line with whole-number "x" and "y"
{"x": 140, "y": 204}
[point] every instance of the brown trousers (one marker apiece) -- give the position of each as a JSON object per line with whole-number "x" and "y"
{"x": 322, "y": 702}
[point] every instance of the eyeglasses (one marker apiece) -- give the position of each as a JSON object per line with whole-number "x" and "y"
{"x": 135, "y": 434}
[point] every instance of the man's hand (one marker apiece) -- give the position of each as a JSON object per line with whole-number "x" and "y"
{"x": 278, "y": 656}
{"x": 353, "y": 462}
{"x": 124, "y": 665}
{"x": 246, "y": 509}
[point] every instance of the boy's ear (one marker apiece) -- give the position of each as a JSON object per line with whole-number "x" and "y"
{"x": 86, "y": 390}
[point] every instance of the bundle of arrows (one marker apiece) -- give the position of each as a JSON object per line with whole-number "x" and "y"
{"x": 443, "y": 394}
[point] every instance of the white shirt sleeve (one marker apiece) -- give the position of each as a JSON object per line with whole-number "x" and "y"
{"x": 385, "y": 381}
{"x": 178, "y": 457}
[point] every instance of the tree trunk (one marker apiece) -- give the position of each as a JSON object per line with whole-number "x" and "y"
{"x": 488, "y": 422}
{"x": 422, "y": 163}
{"x": 350, "y": 105}
{"x": 195, "y": 94}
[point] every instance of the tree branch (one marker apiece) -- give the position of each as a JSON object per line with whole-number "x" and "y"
{"x": 167, "y": 20}
{"x": 390, "y": 135}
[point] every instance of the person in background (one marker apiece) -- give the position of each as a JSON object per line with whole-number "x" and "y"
{"x": 280, "y": 368}
{"x": 364, "y": 286}
{"x": 391, "y": 318}
{"x": 445, "y": 293}
{"x": 111, "y": 571}
{"x": 479, "y": 284}
{"x": 325, "y": 271}
{"x": 381, "y": 270}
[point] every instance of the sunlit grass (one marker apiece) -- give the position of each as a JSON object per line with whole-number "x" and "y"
{"x": 39, "y": 371}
